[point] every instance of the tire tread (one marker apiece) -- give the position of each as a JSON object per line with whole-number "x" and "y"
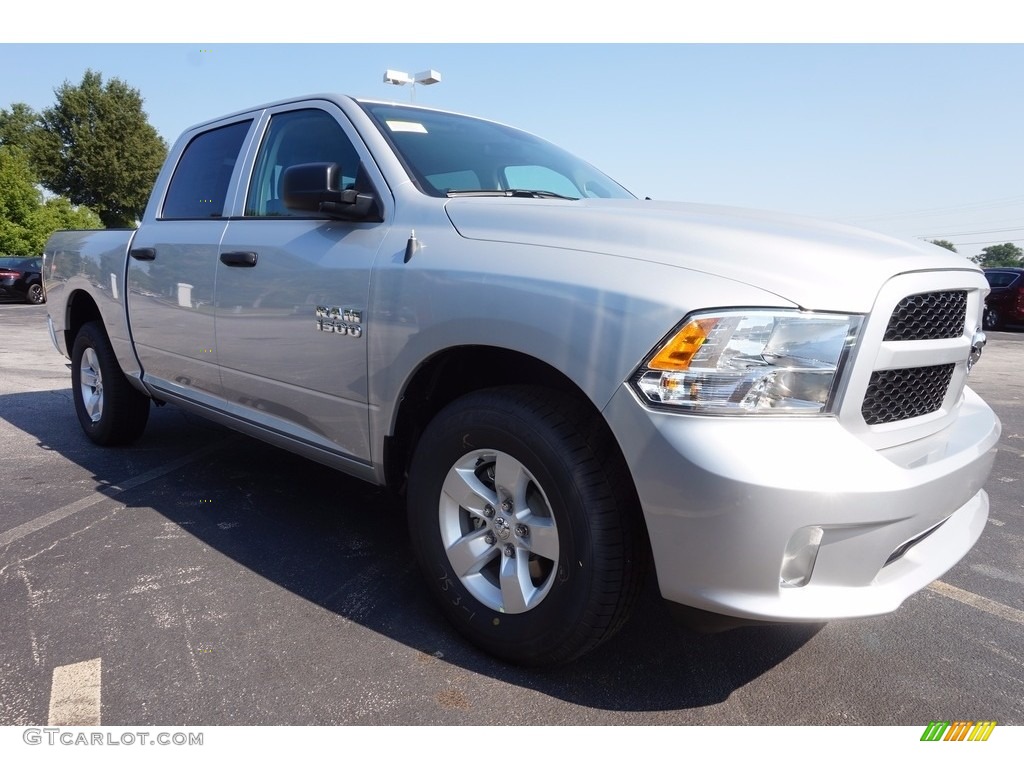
{"x": 125, "y": 409}
{"x": 607, "y": 494}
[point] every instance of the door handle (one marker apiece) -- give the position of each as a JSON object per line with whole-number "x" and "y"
{"x": 239, "y": 259}
{"x": 143, "y": 254}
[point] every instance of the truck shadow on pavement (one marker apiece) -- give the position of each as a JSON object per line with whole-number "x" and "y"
{"x": 343, "y": 545}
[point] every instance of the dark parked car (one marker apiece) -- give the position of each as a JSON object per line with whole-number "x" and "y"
{"x": 1005, "y": 304}
{"x": 22, "y": 278}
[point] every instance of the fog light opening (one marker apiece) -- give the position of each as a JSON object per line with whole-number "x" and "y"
{"x": 801, "y": 552}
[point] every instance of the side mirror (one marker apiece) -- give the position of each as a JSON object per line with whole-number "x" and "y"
{"x": 314, "y": 187}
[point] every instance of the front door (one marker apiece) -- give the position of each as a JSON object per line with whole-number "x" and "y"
{"x": 292, "y": 293}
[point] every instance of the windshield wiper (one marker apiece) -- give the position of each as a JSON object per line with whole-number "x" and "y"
{"x": 535, "y": 193}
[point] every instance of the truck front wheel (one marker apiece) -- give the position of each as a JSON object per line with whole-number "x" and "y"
{"x": 110, "y": 410}
{"x": 524, "y": 525}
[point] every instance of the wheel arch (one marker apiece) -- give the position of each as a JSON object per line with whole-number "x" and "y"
{"x": 81, "y": 309}
{"x": 457, "y": 371}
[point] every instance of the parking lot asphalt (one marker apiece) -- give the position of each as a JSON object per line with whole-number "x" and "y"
{"x": 216, "y": 580}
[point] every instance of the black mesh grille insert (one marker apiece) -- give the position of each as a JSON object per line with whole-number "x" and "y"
{"x": 904, "y": 393}
{"x": 939, "y": 315}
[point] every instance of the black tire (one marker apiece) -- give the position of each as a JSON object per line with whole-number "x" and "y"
{"x": 578, "y": 553}
{"x": 109, "y": 408}
{"x": 35, "y": 294}
{"x": 991, "y": 320}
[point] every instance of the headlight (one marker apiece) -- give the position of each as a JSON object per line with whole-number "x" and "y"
{"x": 750, "y": 361}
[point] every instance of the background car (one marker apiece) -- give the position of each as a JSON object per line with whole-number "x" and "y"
{"x": 1005, "y": 303}
{"x": 22, "y": 278}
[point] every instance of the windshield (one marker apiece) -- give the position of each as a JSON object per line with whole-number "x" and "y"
{"x": 455, "y": 155}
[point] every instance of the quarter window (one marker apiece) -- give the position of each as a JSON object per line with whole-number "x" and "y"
{"x": 1001, "y": 279}
{"x": 199, "y": 186}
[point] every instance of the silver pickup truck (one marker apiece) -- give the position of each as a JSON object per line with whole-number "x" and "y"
{"x": 563, "y": 380}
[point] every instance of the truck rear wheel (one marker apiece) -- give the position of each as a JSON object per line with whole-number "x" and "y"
{"x": 110, "y": 410}
{"x": 524, "y": 525}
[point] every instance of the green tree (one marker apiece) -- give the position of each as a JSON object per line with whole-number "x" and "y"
{"x": 97, "y": 148}
{"x": 26, "y": 221}
{"x": 18, "y": 200}
{"x": 1005, "y": 255}
{"x": 19, "y": 126}
{"x": 944, "y": 244}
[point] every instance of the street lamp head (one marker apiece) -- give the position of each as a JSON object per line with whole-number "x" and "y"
{"x": 395, "y": 77}
{"x": 429, "y": 77}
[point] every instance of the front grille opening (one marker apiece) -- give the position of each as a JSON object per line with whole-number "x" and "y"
{"x": 903, "y": 548}
{"x": 925, "y": 316}
{"x": 904, "y": 393}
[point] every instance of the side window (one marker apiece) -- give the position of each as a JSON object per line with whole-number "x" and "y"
{"x": 293, "y": 138}
{"x": 199, "y": 185}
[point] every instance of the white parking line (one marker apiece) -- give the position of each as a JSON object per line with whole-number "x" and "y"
{"x": 75, "y": 694}
{"x": 111, "y": 491}
{"x": 977, "y": 601}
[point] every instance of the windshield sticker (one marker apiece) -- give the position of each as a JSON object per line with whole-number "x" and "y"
{"x": 406, "y": 126}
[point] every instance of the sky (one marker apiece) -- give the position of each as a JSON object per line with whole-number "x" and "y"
{"x": 918, "y": 139}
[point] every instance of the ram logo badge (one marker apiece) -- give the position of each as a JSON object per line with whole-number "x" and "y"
{"x": 347, "y": 322}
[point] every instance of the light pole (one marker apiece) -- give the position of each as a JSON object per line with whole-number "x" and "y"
{"x": 427, "y": 77}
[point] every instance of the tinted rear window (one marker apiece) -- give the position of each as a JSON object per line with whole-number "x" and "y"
{"x": 1002, "y": 279}
{"x": 199, "y": 186}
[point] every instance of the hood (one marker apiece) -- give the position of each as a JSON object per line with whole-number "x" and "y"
{"x": 813, "y": 264}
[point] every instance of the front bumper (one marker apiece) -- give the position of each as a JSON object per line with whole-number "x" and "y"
{"x": 728, "y": 501}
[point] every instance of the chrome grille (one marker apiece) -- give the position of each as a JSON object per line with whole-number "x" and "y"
{"x": 938, "y": 315}
{"x": 904, "y": 393}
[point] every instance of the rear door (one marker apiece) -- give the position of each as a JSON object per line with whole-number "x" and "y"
{"x": 173, "y": 260}
{"x": 292, "y": 291}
